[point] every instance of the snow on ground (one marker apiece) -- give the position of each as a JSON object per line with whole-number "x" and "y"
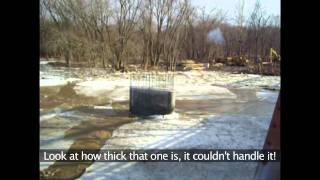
{"x": 119, "y": 90}
{"x": 53, "y": 80}
{"x": 213, "y": 132}
{"x": 116, "y": 90}
{"x": 228, "y": 79}
{"x": 189, "y": 82}
{"x": 244, "y": 129}
{"x": 170, "y": 170}
{"x": 188, "y": 85}
{"x": 243, "y": 124}
{"x": 191, "y": 92}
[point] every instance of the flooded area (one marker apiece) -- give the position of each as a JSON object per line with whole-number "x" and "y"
{"x": 89, "y": 109}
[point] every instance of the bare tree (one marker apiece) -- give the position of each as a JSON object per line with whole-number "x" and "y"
{"x": 161, "y": 28}
{"x": 150, "y": 11}
{"x": 176, "y": 17}
{"x": 198, "y": 46}
{"x": 126, "y": 16}
{"x": 162, "y": 32}
{"x": 240, "y": 20}
{"x": 257, "y": 23}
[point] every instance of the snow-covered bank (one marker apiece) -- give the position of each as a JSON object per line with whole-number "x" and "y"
{"x": 188, "y": 85}
{"x": 217, "y": 78}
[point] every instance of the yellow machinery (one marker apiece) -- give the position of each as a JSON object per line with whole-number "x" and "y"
{"x": 273, "y": 65}
{"x": 273, "y": 56}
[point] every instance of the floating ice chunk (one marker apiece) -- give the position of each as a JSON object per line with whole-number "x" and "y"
{"x": 190, "y": 92}
{"x": 102, "y": 107}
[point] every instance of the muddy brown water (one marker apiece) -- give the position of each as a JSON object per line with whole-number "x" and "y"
{"x": 92, "y": 133}
{"x": 88, "y": 135}
{"x": 66, "y": 97}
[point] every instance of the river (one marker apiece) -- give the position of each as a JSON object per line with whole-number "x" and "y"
{"x": 88, "y": 108}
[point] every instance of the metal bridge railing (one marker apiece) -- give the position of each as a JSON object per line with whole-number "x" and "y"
{"x": 153, "y": 81}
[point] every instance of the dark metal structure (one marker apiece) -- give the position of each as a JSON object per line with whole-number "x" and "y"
{"x": 152, "y": 94}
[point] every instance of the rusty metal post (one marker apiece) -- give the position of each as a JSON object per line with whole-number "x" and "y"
{"x": 271, "y": 170}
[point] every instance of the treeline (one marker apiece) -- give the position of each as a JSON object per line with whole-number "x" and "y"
{"x": 106, "y": 33}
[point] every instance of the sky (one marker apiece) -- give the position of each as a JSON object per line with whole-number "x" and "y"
{"x": 271, "y": 7}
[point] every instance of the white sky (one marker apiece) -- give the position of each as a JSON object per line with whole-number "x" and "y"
{"x": 271, "y": 7}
